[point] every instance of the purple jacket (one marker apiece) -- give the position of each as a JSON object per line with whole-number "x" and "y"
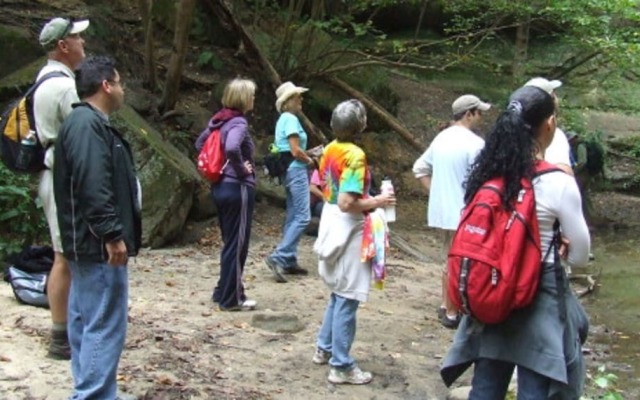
{"x": 238, "y": 148}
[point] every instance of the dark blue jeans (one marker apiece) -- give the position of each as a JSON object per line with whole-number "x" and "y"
{"x": 235, "y": 204}
{"x": 491, "y": 381}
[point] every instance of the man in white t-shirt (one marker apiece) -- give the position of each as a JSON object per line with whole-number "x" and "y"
{"x": 559, "y": 151}
{"x": 52, "y": 102}
{"x": 442, "y": 170}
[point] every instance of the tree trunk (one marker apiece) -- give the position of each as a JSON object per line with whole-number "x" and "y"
{"x": 423, "y": 9}
{"x": 150, "y": 77}
{"x": 522, "y": 44}
{"x": 224, "y": 12}
{"x": 180, "y": 41}
{"x": 377, "y": 109}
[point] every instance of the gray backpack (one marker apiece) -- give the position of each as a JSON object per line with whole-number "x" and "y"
{"x": 29, "y": 287}
{"x": 27, "y": 274}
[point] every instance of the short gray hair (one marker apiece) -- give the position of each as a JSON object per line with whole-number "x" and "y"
{"x": 348, "y": 118}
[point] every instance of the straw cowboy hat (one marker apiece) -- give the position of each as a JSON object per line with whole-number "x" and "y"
{"x": 285, "y": 91}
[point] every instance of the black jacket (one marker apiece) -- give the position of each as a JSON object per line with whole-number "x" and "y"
{"x": 95, "y": 187}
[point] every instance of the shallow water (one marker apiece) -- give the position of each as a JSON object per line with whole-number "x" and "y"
{"x": 614, "y": 309}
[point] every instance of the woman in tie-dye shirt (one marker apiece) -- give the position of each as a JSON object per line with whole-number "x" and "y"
{"x": 340, "y": 242}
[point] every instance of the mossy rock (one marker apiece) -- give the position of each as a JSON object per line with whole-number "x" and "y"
{"x": 18, "y": 47}
{"x": 18, "y": 82}
{"x": 168, "y": 179}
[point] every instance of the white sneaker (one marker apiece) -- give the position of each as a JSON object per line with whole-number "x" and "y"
{"x": 354, "y": 376}
{"x": 247, "y": 305}
{"x": 321, "y": 357}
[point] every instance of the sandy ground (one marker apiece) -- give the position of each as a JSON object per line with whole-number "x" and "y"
{"x": 180, "y": 347}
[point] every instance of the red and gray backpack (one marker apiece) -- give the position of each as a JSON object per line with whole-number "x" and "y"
{"x": 494, "y": 262}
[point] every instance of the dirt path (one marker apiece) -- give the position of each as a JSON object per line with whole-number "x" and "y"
{"x": 179, "y": 347}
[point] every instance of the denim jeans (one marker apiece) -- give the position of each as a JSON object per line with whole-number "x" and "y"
{"x": 338, "y": 331}
{"x": 297, "y": 217}
{"x": 97, "y": 326}
{"x": 491, "y": 381}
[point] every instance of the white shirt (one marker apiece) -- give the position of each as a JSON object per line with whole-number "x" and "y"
{"x": 558, "y": 150}
{"x": 52, "y": 103}
{"x": 558, "y": 197}
{"x": 447, "y": 161}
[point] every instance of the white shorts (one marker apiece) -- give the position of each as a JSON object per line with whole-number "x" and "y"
{"x": 45, "y": 192}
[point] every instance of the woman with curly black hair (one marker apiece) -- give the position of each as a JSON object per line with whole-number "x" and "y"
{"x": 543, "y": 339}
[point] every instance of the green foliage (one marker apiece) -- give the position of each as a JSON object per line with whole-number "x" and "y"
{"x": 209, "y": 59}
{"x": 21, "y": 220}
{"x": 605, "y": 29}
{"x": 602, "y": 385}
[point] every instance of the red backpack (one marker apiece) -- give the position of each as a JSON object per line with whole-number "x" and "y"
{"x": 494, "y": 262}
{"x": 212, "y": 160}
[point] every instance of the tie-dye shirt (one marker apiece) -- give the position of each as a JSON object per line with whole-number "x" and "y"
{"x": 344, "y": 169}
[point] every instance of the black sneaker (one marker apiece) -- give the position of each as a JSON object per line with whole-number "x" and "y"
{"x": 278, "y": 271}
{"x": 448, "y": 322}
{"x": 295, "y": 270}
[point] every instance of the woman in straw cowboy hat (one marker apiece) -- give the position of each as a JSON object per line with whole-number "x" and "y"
{"x": 291, "y": 142}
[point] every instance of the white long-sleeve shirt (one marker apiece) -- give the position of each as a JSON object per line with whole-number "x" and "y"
{"x": 447, "y": 161}
{"x": 558, "y": 197}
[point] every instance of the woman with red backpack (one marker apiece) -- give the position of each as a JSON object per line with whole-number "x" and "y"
{"x": 544, "y": 338}
{"x": 234, "y": 192}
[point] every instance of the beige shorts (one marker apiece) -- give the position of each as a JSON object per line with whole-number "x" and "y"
{"x": 45, "y": 193}
{"x": 446, "y": 238}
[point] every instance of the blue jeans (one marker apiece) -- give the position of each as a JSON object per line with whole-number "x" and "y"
{"x": 491, "y": 381}
{"x": 338, "y": 331}
{"x": 97, "y": 326}
{"x": 297, "y": 217}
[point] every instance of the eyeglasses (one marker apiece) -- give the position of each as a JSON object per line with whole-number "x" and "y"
{"x": 117, "y": 83}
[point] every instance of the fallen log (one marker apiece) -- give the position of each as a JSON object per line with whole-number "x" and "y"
{"x": 378, "y": 110}
{"x": 403, "y": 245}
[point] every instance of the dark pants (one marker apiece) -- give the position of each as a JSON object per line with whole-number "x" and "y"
{"x": 491, "y": 380}
{"x": 235, "y": 212}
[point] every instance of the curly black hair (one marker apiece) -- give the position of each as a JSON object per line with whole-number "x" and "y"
{"x": 510, "y": 147}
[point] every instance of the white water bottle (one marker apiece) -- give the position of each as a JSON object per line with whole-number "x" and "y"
{"x": 390, "y": 211}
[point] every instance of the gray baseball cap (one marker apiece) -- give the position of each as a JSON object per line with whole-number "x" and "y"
{"x": 60, "y": 28}
{"x": 468, "y": 102}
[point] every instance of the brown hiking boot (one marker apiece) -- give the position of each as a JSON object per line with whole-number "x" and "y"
{"x": 59, "y": 348}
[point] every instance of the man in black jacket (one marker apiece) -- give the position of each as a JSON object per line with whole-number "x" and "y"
{"x": 97, "y": 196}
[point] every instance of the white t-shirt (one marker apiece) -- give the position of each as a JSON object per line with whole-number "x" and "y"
{"x": 447, "y": 161}
{"x": 558, "y": 197}
{"x": 558, "y": 150}
{"x": 52, "y": 103}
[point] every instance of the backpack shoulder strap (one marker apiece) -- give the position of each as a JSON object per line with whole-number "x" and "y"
{"x": 52, "y": 74}
{"x": 544, "y": 167}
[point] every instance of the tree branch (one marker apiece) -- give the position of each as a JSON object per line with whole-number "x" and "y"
{"x": 223, "y": 11}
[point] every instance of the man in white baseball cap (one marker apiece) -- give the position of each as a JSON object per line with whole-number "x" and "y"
{"x": 59, "y": 28}
{"x": 442, "y": 170}
{"x": 52, "y": 102}
{"x": 559, "y": 151}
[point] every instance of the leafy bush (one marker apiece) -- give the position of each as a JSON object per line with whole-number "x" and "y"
{"x": 22, "y": 221}
{"x": 602, "y": 385}
{"x": 209, "y": 59}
